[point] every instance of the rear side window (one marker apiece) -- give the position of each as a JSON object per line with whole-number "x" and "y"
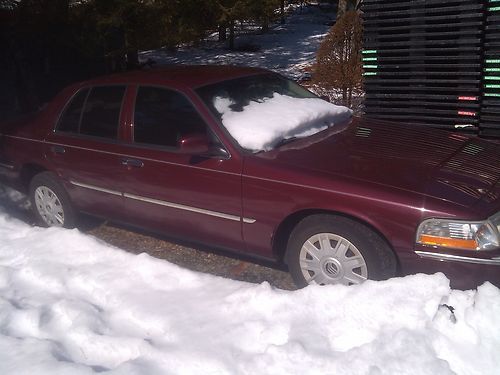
{"x": 101, "y": 114}
{"x": 70, "y": 119}
{"x": 163, "y": 116}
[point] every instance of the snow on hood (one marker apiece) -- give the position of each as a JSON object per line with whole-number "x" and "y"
{"x": 70, "y": 304}
{"x": 261, "y": 124}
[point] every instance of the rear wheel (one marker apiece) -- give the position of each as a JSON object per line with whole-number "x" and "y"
{"x": 50, "y": 202}
{"x": 329, "y": 249}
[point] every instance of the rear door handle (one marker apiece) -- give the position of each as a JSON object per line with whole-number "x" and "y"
{"x": 133, "y": 163}
{"x": 57, "y": 149}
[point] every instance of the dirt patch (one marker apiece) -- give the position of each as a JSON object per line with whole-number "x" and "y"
{"x": 191, "y": 258}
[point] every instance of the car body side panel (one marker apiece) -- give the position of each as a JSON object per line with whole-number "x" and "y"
{"x": 89, "y": 167}
{"x": 273, "y": 192}
{"x": 19, "y": 152}
{"x": 184, "y": 196}
{"x": 90, "y": 170}
{"x": 22, "y": 139}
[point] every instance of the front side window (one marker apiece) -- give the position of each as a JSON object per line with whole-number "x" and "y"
{"x": 101, "y": 114}
{"x": 163, "y": 116}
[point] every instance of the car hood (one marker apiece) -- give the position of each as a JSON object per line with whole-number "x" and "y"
{"x": 448, "y": 166}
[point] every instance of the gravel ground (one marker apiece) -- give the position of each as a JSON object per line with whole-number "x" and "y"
{"x": 191, "y": 258}
{"x": 137, "y": 242}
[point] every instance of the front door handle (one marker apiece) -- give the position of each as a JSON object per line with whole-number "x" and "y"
{"x": 133, "y": 163}
{"x": 56, "y": 149}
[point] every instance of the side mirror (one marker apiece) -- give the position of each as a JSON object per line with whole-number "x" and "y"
{"x": 196, "y": 143}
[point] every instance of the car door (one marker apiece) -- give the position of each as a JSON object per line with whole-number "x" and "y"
{"x": 184, "y": 195}
{"x": 85, "y": 150}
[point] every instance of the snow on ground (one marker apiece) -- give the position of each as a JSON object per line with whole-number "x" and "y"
{"x": 287, "y": 49}
{"x": 262, "y": 123}
{"x": 71, "y": 304}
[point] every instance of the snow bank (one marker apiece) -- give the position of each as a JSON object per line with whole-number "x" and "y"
{"x": 262, "y": 123}
{"x": 70, "y": 304}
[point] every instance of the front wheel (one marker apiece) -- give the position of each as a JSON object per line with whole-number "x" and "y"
{"x": 50, "y": 202}
{"x": 329, "y": 249}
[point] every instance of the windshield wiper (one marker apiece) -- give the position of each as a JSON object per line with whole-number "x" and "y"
{"x": 284, "y": 141}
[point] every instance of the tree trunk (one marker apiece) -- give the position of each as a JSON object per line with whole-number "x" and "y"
{"x": 222, "y": 32}
{"x": 342, "y": 8}
{"x": 344, "y": 95}
{"x": 131, "y": 51}
{"x": 27, "y": 97}
{"x": 231, "y": 35}
{"x": 132, "y": 59}
{"x": 265, "y": 26}
{"x": 282, "y": 11}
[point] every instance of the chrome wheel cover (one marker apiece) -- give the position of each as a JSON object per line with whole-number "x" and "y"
{"x": 49, "y": 207}
{"x": 327, "y": 258}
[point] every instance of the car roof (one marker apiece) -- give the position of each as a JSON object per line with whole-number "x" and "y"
{"x": 180, "y": 75}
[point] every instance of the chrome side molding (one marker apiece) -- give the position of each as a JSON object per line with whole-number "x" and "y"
{"x": 166, "y": 203}
{"x": 458, "y": 258}
{"x": 96, "y": 188}
{"x": 8, "y": 166}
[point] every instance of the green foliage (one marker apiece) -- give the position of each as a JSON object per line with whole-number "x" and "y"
{"x": 8, "y": 4}
{"x": 230, "y": 10}
{"x": 49, "y": 43}
{"x": 262, "y": 11}
{"x": 137, "y": 20}
{"x": 195, "y": 18}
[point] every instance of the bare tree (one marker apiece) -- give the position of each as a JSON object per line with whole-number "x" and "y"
{"x": 342, "y": 8}
{"x": 338, "y": 63}
{"x": 345, "y": 5}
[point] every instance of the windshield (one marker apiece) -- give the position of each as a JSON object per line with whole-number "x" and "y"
{"x": 261, "y": 112}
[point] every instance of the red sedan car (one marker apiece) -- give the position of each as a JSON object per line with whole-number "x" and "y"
{"x": 245, "y": 160}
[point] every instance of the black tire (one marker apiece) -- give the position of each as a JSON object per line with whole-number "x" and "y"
{"x": 47, "y": 180}
{"x": 379, "y": 260}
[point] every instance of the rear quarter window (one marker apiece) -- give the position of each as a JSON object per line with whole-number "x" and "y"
{"x": 93, "y": 111}
{"x": 101, "y": 112}
{"x": 70, "y": 119}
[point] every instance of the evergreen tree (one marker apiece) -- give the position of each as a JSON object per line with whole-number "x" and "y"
{"x": 196, "y": 18}
{"x": 138, "y": 24}
{"x": 262, "y": 11}
{"x": 229, "y": 11}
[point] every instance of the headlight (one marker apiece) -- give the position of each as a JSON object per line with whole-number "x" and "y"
{"x": 477, "y": 235}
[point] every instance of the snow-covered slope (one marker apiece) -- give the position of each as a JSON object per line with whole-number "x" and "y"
{"x": 70, "y": 304}
{"x": 287, "y": 49}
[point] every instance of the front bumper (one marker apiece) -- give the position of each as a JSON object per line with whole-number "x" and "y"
{"x": 465, "y": 269}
